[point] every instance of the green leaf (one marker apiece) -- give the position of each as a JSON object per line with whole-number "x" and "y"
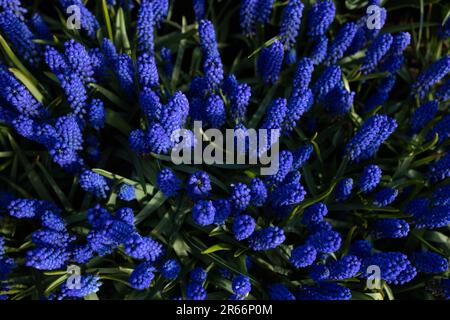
{"x": 140, "y": 191}
{"x": 34, "y": 178}
{"x": 293, "y": 217}
{"x": 261, "y": 111}
{"x": 16, "y": 61}
{"x": 28, "y": 83}
{"x": 388, "y": 291}
{"x": 55, "y": 284}
{"x": 355, "y": 4}
{"x": 61, "y": 195}
{"x": 438, "y": 237}
{"x": 92, "y": 296}
{"x": 265, "y": 45}
{"x": 115, "y": 120}
{"x": 366, "y": 296}
{"x": 218, "y": 247}
{"x": 150, "y": 207}
{"x": 111, "y": 96}
{"x": 180, "y": 53}
{"x": 107, "y": 20}
{"x": 123, "y": 31}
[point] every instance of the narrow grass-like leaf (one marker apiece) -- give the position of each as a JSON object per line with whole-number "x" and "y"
{"x": 111, "y": 96}
{"x": 107, "y": 20}
{"x": 218, "y": 247}
{"x": 261, "y": 111}
{"x": 28, "y": 84}
{"x": 150, "y": 207}
{"x": 11, "y": 55}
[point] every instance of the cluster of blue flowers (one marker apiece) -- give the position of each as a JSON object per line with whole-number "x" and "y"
{"x": 349, "y": 192}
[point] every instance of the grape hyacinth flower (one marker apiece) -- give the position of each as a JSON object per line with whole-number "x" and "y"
{"x": 290, "y": 23}
{"x": 198, "y": 275}
{"x": 429, "y": 262}
{"x": 343, "y": 189}
{"x": 142, "y": 276}
{"x": 285, "y": 164}
{"x": 20, "y": 36}
{"x": 319, "y": 50}
{"x": 240, "y": 196}
{"x": 126, "y": 192}
{"x": 270, "y": 61}
{"x": 89, "y": 284}
{"x": 385, "y": 197}
{"x": 280, "y": 292}
{"x": 139, "y": 247}
{"x": 215, "y": 111}
{"x": 395, "y": 267}
{"x": 258, "y": 192}
{"x": 14, "y": 6}
{"x": 287, "y": 194}
{"x": 148, "y": 73}
{"x": 326, "y": 82}
{"x": 195, "y": 291}
{"x": 301, "y": 155}
{"x": 94, "y": 183}
{"x": 166, "y": 56}
{"x": 223, "y": 211}
{"x": 160, "y": 11}
{"x": 320, "y": 17}
{"x": 18, "y": 96}
{"x": 314, "y": 213}
{"x": 341, "y": 43}
{"x": 203, "y": 213}
{"x": 199, "y": 9}
{"x": 376, "y": 51}
{"x": 370, "y": 178}
{"x": 423, "y": 114}
{"x": 369, "y": 137}
{"x": 324, "y": 291}
{"x": 168, "y": 182}
{"x": 266, "y": 239}
{"x": 339, "y": 101}
{"x": 79, "y": 60}
{"x": 144, "y": 27}
{"x": 303, "y": 256}
{"x": 248, "y": 16}
{"x": 239, "y": 95}
{"x": 319, "y": 272}
{"x": 344, "y": 268}
{"x": 40, "y": 27}
{"x": 241, "y": 285}
{"x": 243, "y": 227}
{"x": 96, "y": 114}
{"x": 325, "y": 241}
{"x": 361, "y": 248}
{"x": 430, "y": 76}
{"x": 390, "y": 228}
{"x": 125, "y": 73}
{"x": 381, "y": 94}
{"x": 170, "y": 269}
{"x": 198, "y": 185}
{"x": 427, "y": 216}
